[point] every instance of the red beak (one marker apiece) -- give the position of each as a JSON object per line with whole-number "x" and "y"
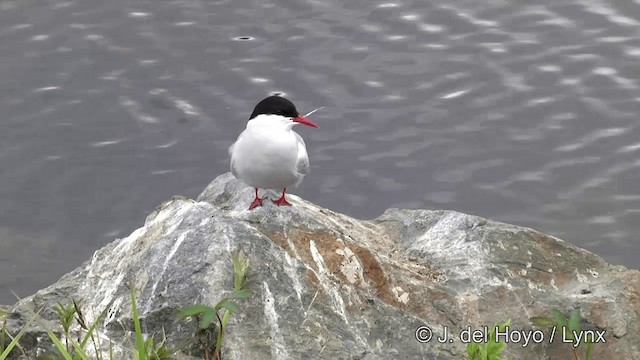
{"x": 303, "y": 120}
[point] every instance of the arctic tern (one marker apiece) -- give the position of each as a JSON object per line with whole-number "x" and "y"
{"x": 268, "y": 154}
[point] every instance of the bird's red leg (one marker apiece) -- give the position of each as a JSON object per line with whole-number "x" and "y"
{"x": 282, "y": 201}
{"x": 256, "y": 202}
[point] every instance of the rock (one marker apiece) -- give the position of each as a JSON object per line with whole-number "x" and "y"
{"x": 327, "y": 286}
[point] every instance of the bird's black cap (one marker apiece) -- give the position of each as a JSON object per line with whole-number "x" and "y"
{"x": 275, "y": 105}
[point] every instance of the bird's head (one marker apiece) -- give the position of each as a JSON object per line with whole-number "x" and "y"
{"x": 277, "y": 105}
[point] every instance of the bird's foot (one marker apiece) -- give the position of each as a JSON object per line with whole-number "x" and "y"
{"x": 282, "y": 201}
{"x": 256, "y": 202}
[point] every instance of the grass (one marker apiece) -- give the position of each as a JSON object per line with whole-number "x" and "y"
{"x": 569, "y": 327}
{"x": 6, "y": 350}
{"x": 73, "y": 349}
{"x": 492, "y": 349}
{"x": 69, "y": 348}
{"x": 140, "y": 344}
{"x": 560, "y": 326}
{"x": 206, "y": 314}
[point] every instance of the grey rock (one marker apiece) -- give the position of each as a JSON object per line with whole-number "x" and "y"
{"x": 327, "y": 286}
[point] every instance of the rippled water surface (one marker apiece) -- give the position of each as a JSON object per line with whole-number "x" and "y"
{"x": 526, "y": 113}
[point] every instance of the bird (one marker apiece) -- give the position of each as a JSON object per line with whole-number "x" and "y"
{"x": 268, "y": 154}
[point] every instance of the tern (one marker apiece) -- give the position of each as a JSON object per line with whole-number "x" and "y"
{"x": 268, "y": 154}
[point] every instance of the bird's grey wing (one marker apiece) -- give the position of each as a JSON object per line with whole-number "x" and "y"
{"x": 231, "y": 164}
{"x": 234, "y": 172}
{"x": 302, "y": 165}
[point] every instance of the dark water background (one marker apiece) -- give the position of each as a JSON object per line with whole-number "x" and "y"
{"x": 525, "y": 113}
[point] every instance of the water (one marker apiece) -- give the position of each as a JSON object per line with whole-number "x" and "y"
{"x": 524, "y": 113}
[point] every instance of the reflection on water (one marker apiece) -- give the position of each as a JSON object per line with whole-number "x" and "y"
{"x": 526, "y": 113}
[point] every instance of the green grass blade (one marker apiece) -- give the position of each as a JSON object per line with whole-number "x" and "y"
{"x": 542, "y": 321}
{"x": 13, "y": 343}
{"x": 561, "y": 320}
{"x": 574, "y": 321}
{"x": 227, "y": 304}
{"x": 2, "y": 332}
{"x": 223, "y": 326}
{"x": 587, "y": 354}
{"x": 483, "y": 353}
{"x": 207, "y": 318}
{"x": 79, "y": 351}
{"x": 240, "y": 266}
{"x": 21, "y": 333}
{"x": 59, "y": 345}
{"x": 92, "y": 328}
{"x": 149, "y": 345}
{"x": 193, "y": 310}
{"x": 472, "y": 350}
{"x": 136, "y": 323}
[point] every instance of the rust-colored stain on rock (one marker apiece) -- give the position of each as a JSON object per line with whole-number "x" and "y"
{"x": 376, "y": 273}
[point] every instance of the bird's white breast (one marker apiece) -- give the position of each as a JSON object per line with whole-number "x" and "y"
{"x": 266, "y": 153}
